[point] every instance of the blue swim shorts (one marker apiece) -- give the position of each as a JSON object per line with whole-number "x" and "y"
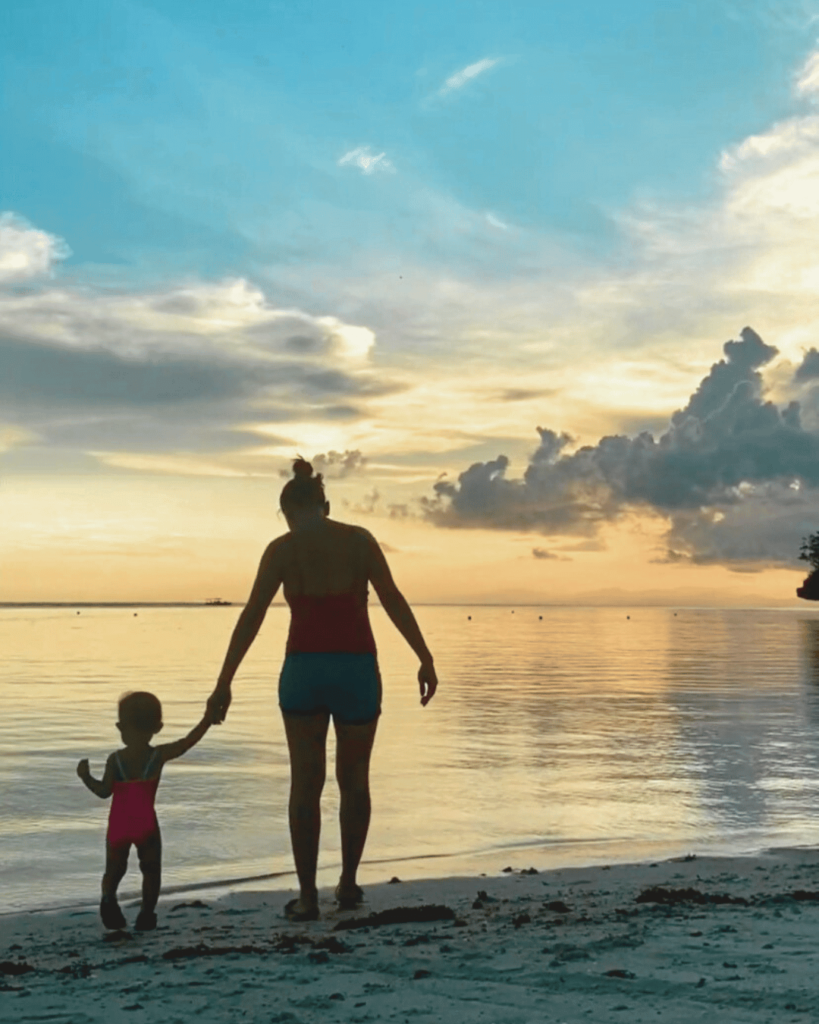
{"x": 346, "y": 685}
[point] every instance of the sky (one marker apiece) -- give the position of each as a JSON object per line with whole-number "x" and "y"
{"x": 534, "y": 285}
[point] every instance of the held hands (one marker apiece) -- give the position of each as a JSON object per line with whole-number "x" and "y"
{"x": 83, "y": 769}
{"x": 427, "y": 682}
{"x": 219, "y": 702}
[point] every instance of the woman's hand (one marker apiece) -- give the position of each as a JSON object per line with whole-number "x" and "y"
{"x": 219, "y": 702}
{"x": 427, "y": 682}
{"x": 83, "y": 768}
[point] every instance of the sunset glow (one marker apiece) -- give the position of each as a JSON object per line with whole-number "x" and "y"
{"x": 479, "y": 264}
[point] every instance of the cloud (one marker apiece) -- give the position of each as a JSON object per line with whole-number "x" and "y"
{"x": 182, "y": 371}
{"x": 808, "y": 369}
{"x": 522, "y": 394}
{"x": 337, "y": 465}
{"x": 542, "y": 553}
{"x": 467, "y": 74}
{"x": 496, "y": 222}
{"x": 14, "y": 437}
{"x": 367, "y": 505}
{"x": 367, "y": 161}
{"x": 26, "y": 252}
{"x": 807, "y": 82}
{"x": 727, "y": 460}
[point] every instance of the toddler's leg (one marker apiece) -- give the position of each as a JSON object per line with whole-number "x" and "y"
{"x": 116, "y": 864}
{"x": 150, "y": 863}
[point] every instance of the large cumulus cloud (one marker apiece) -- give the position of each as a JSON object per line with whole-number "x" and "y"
{"x": 188, "y": 368}
{"x": 736, "y": 476}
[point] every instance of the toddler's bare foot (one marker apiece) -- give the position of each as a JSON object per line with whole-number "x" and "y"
{"x": 146, "y": 921}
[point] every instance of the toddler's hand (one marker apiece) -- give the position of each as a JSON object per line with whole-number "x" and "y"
{"x": 83, "y": 768}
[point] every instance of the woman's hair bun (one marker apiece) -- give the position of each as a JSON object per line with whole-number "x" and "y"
{"x": 302, "y": 468}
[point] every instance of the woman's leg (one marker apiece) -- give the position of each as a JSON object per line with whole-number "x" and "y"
{"x": 354, "y": 744}
{"x": 306, "y": 740}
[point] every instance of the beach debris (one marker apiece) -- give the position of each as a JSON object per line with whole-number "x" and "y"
{"x": 521, "y": 919}
{"x": 421, "y": 973}
{"x": 395, "y": 880}
{"x": 530, "y": 871}
{"x": 200, "y": 949}
{"x": 507, "y": 870}
{"x": 668, "y": 897}
{"x": 193, "y": 904}
{"x": 10, "y": 967}
{"x": 77, "y": 970}
{"x": 557, "y": 906}
{"x": 804, "y": 894}
{"x": 332, "y": 945}
{"x": 618, "y": 972}
{"x": 399, "y": 915}
{"x": 337, "y": 995}
{"x": 287, "y": 943}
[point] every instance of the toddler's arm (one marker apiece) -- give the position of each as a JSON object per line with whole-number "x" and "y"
{"x": 102, "y": 787}
{"x": 169, "y": 751}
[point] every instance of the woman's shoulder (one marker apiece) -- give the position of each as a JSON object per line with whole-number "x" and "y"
{"x": 357, "y": 534}
{"x": 279, "y": 547}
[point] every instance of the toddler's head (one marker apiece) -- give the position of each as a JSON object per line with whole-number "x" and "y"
{"x": 139, "y": 712}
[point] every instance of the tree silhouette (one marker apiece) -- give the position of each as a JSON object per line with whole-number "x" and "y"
{"x": 809, "y": 551}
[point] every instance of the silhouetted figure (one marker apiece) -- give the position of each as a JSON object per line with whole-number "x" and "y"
{"x": 132, "y": 776}
{"x": 330, "y": 669}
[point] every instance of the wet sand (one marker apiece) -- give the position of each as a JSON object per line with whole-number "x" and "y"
{"x": 727, "y": 939}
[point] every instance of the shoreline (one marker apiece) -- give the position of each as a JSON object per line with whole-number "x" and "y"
{"x": 683, "y": 939}
{"x": 556, "y": 856}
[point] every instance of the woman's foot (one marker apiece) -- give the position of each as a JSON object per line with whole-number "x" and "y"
{"x": 146, "y": 921}
{"x": 300, "y": 909}
{"x": 349, "y": 896}
{"x": 111, "y": 914}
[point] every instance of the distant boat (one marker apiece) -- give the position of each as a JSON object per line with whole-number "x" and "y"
{"x": 217, "y": 601}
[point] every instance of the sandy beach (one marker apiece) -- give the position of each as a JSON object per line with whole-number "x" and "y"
{"x": 730, "y": 939}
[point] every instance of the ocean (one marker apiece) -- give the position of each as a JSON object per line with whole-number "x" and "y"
{"x": 558, "y": 736}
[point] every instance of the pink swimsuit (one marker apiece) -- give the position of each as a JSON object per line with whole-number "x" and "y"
{"x": 132, "y": 818}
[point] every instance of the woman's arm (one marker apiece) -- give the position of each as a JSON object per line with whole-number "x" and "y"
{"x": 267, "y": 582}
{"x": 395, "y": 605}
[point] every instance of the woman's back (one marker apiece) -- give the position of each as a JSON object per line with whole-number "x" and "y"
{"x": 325, "y": 558}
{"x": 324, "y": 572}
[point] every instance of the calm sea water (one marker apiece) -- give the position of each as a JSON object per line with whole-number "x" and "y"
{"x": 583, "y": 735}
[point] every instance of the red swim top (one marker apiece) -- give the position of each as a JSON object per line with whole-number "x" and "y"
{"x": 132, "y": 818}
{"x": 336, "y": 623}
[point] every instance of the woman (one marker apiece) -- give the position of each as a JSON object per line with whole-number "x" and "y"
{"x": 330, "y": 668}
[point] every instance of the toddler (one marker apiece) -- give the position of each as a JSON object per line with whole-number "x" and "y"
{"x": 132, "y": 775}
